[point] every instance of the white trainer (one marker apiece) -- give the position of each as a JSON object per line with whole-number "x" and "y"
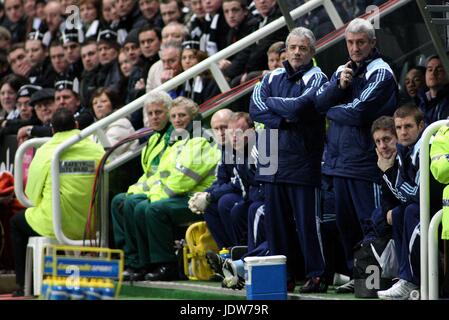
{"x": 399, "y": 291}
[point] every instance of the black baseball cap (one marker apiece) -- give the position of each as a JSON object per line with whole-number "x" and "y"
{"x": 41, "y": 95}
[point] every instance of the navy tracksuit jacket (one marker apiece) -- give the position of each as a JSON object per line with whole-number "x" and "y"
{"x": 351, "y": 157}
{"x": 291, "y": 192}
{"x": 403, "y": 181}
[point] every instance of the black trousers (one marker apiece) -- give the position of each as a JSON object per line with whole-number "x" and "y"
{"x": 20, "y": 232}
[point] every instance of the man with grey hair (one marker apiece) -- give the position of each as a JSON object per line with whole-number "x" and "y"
{"x": 297, "y": 136}
{"x": 170, "y": 60}
{"x": 360, "y": 91}
{"x": 173, "y": 31}
{"x": 156, "y": 107}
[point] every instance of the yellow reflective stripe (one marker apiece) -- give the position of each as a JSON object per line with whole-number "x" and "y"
{"x": 190, "y": 173}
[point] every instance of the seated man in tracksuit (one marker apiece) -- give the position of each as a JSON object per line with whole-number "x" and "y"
{"x": 292, "y": 180}
{"x": 384, "y": 135}
{"x": 401, "y": 174}
{"x": 225, "y": 204}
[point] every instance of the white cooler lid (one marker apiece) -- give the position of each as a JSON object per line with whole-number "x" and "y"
{"x": 265, "y": 260}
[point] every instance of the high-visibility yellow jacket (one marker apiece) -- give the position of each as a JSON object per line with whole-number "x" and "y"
{"x": 77, "y": 173}
{"x": 439, "y": 165}
{"x": 150, "y": 159}
{"x": 187, "y": 166}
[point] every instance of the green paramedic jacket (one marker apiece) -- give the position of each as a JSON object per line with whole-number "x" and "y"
{"x": 186, "y": 167}
{"x": 439, "y": 165}
{"x": 77, "y": 173}
{"x": 150, "y": 159}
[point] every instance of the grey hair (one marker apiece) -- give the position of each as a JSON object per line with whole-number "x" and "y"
{"x": 159, "y": 97}
{"x": 302, "y": 32}
{"x": 184, "y": 29}
{"x": 359, "y": 25}
{"x": 171, "y": 44}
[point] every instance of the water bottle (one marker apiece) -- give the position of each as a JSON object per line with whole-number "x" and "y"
{"x": 58, "y": 290}
{"x": 224, "y": 253}
{"x": 107, "y": 290}
{"x": 46, "y": 288}
{"x": 93, "y": 290}
{"x": 77, "y": 292}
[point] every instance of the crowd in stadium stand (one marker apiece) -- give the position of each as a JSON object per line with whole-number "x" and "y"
{"x": 352, "y": 179}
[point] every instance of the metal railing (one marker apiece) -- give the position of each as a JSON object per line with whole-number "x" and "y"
{"x": 432, "y": 244}
{"x": 18, "y": 163}
{"x": 424, "y": 202}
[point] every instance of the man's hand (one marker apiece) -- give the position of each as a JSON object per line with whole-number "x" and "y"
{"x": 167, "y": 75}
{"x": 390, "y": 217}
{"x": 346, "y": 76}
{"x": 140, "y": 85}
{"x": 23, "y": 134}
{"x": 223, "y": 64}
{"x": 385, "y": 163}
{"x": 199, "y": 202}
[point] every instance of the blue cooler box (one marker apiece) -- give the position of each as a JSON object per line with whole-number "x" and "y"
{"x": 266, "y": 278}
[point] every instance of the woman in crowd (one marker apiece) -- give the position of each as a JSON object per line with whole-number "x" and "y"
{"x": 105, "y": 102}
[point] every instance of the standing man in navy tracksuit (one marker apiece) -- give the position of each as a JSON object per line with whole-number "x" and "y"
{"x": 358, "y": 93}
{"x": 297, "y": 139}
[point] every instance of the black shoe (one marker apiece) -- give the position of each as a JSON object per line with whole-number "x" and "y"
{"x": 165, "y": 272}
{"x": 314, "y": 285}
{"x": 131, "y": 274}
{"x": 348, "y": 287}
{"x": 216, "y": 262}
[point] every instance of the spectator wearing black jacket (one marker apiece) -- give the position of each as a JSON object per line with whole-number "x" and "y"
{"x": 109, "y": 74}
{"x": 269, "y": 11}
{"x": 15, "y": 20}
{"x": 71, "y": 40}
{"x": 43, "y": 102}
{"x": 41, "y": 73}
{"x": 149, "y": 39}
{"x": 241, "y": 24}
{"x": 89, "y": 81}
{"x": 435, "y": 102}
{"x": 150, "y": 14}
{"x": 129, "y": 13}
{"x": 217, "y": 28}
{"x": 27, "y": 115}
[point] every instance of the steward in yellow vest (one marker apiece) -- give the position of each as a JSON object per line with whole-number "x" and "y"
{"x": 439, "y": 165}
{"x": 156, "y": 107}
{"x": 77, "y": 173}
{"x": 187, "y": 166}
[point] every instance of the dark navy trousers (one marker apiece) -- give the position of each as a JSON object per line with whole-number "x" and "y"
{"x": 406, "y": 237}
{"x": 291, "y": 215}
{"x": 256, "y": 226}
{"x": 227, "y": 220}
{"x": 355, "y": 201}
